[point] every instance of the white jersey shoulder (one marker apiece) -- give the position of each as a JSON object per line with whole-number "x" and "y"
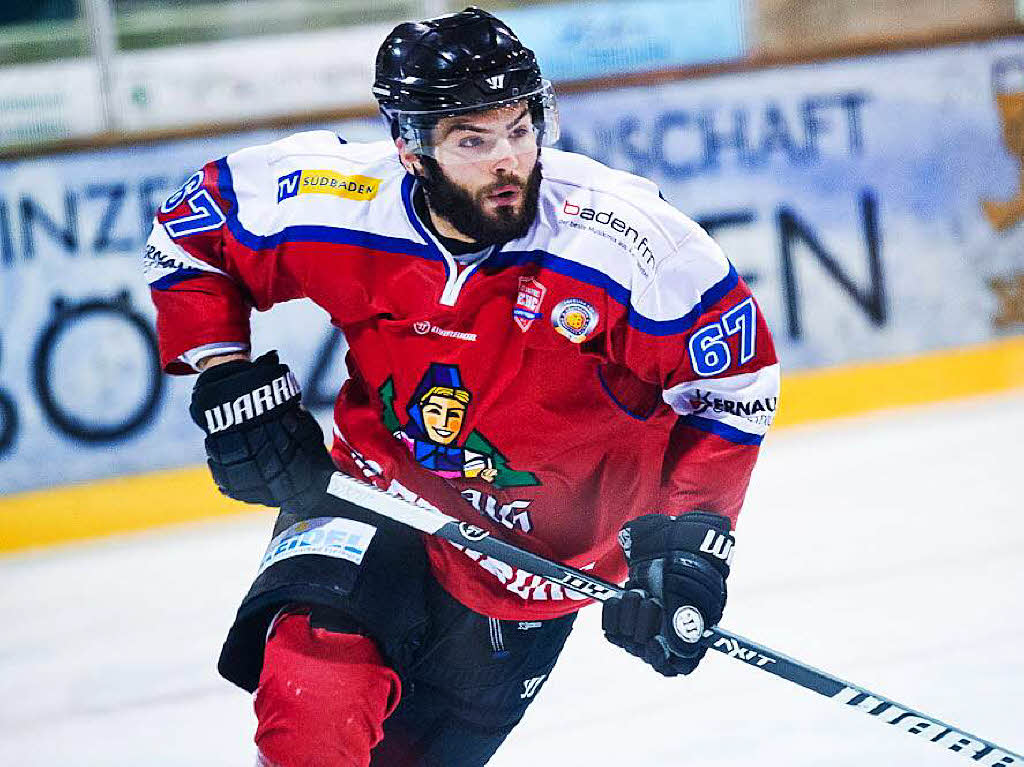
{"x": 315, "y": 178}
{"x": 619, "y": 224}
{"x": 609, "y": 222}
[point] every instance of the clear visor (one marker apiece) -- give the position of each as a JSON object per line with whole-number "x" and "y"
{"x": 485, "y": 132}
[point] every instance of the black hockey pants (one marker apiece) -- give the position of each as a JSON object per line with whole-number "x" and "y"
{"x": 468, "y": 685}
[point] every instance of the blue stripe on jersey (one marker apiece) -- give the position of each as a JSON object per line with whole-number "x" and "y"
{"x": 623, "y": 408}
{"x": 408, "y": 184}
{"x": 564, "y": 266}
{"x": 599, "y": 279}
{"x": 400, "y": 246}
{"x": 169, "y": 280}
{"x": 723, "y": 430}
{"x": 708, "y": 299}
{"x": 331, "y": 235}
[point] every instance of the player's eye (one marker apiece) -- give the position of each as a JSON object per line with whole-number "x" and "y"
{"x": 471, "y": 142}
{"x": 521, "y": 132}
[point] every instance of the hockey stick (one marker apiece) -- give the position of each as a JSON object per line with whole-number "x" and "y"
{"x": 428, "y": 519}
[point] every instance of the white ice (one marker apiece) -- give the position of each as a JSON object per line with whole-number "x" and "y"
{"x": 885, "y": 550}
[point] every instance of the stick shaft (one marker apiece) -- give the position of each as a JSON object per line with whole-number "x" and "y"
{"x": 428, "y": 519}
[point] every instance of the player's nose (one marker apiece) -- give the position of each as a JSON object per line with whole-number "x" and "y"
{"x": 504, "y": 159}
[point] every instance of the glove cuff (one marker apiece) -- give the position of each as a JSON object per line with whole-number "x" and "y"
{"x": 239, "y": 392}
{"x": 216, "y": 373}
{"x": 699, "y": 533}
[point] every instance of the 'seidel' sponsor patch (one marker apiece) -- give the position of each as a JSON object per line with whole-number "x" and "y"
{"x": 327, "y": 182}
{"x": 327, "y": 536}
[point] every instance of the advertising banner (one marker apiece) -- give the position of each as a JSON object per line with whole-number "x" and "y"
{"x": 81, "y": 393}
{"x": 596, "y": 39}
{"x": 281, "y": 74}
{"x": 874, "y": 205}
{"x": 247, "y": 79}
{"x": 49, "y": 101}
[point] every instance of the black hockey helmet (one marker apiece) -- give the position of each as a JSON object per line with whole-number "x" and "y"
{"x": 462, "y": 62}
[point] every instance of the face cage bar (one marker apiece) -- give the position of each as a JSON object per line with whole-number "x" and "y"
{"x": 416, "y": 128}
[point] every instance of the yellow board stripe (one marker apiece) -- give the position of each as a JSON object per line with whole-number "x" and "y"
{"x": 119, "y": 505}
{"x": 847, "y": 390}
{"x": 128, "y": 504}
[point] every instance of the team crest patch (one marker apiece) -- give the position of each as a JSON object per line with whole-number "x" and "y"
{"x": 531, "y": 296}
{"x": 575, "y": 319}
{"x": 327, "y": 182}
{"x": 435, "y": 431}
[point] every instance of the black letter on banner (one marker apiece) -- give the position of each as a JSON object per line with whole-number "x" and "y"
{"x": 58, "y": 404}
{"x": 8, "y": 422}
{"x": 669, "y": 122}
{"x": 66, "y": 236}
{"x": 114, "y": 194}
{"x": 792, "y": 231}
{"x": 717, "y": 221}
{"x": 852, "y": 102}
{"x": 147, "y": 205}
{"x": 6, "y": 243}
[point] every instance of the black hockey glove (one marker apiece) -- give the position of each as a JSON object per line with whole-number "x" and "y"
{"x": 677, "y": 572}
{"x": 261, "y": 444}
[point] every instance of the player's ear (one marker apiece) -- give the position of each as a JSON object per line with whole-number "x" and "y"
{"x": 409, "y": 160}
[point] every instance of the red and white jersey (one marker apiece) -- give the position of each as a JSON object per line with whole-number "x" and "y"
{"x": 609, "y": 364}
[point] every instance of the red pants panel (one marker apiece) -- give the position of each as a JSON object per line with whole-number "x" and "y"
{"x": 322, "y": 698}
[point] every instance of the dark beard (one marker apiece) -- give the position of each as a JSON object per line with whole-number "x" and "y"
{"x": 461, "y": 210}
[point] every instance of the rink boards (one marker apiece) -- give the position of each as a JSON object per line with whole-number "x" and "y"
{"x": 138, "y": 502}
{"x": 869, "y": 202}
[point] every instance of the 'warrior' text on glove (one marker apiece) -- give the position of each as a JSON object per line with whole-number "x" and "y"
{"x": 262, "y": 446}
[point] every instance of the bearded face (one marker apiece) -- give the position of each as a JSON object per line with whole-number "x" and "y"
{"x": 482, "y": 173}
{"x": 499, "y": 211}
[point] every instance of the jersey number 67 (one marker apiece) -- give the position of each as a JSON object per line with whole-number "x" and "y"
{"x": 709, "y": 350}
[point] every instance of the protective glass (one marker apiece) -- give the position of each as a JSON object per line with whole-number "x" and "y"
{"x": 484, "y": 132}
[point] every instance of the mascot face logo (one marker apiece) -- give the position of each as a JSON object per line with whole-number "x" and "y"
{"x": 438, "y": 412}
{"x": 443, "y": 412}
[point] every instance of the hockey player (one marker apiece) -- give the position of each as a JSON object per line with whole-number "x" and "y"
{"x": 539, "y": 345}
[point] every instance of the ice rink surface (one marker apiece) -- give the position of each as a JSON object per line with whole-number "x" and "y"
{"x": 885, "y": 550}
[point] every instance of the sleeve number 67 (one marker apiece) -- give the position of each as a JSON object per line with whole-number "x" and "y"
{"x": 206, "y": 214}
{"x": 709, "y": 351}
